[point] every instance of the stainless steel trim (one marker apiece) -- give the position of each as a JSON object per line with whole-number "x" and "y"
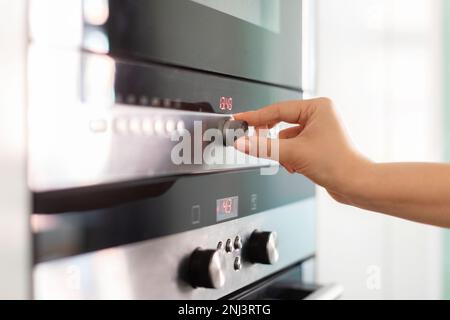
{"x": 75, "y": 144}
{"x": 152, "y": 269}
{"x": 15, "y": 253}
{"x": 328, "y": 292}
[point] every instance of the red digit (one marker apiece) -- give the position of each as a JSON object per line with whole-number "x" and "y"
{"x": 227, "y": 206}
{"x": 223, "y": 103}
{"x": 230, "y": 104}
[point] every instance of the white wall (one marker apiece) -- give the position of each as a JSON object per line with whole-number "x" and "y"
{"x": 380, "y": 61}
{"x": 15, "y": 256}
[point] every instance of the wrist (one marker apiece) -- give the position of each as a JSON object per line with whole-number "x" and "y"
{"x": 354, "y": 177}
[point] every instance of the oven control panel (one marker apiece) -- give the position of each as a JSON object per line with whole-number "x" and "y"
{"x": 111, "y": 122}
{"x": 207, "y": 267}
{"x": 205, "y": 263}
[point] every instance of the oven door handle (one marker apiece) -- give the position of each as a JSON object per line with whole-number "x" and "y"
{"x": 328, "y": 292}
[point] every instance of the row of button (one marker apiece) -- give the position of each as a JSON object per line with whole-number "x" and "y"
{"x": 140, "y": 126}
{"x": 206, "y": 267}
{"x": 230, "y": 245}
{"x": 144, "y": 100}
{"x": 148, "y": 126}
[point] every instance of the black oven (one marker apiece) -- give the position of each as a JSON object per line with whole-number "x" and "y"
{"x": 114, "y": 86}
{"x": 255, "y": 40}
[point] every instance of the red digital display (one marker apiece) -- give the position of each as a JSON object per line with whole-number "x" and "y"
{"x": 226, "y": 103}
{"x": 226, "y": 208}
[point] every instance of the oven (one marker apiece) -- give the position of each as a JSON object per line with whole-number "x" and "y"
{"x": 132, "y": 198}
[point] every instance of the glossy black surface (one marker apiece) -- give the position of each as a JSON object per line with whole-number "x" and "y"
{"x": 77, "y": 232}
{"x": 157, "y": 85}
{"x": 275, "y": 287}
{"x": 186, "y": 33}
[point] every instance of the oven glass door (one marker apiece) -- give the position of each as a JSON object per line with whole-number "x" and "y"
{"x": 252, "y": 39}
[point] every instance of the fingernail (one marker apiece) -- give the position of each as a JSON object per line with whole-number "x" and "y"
{"x": 241, "y": 143}
{"x": 289, "y": 169}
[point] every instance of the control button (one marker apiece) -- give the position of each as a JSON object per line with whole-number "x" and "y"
{"x": 262, "y": 247}
{"x": 156, "y": 102}
{"x": 147, "y": 126}
{"x": 167, "y": 103}
{"x": 135, "y": 126}
{"x": 177, "y": 104}
{"x": 229, "y": 246}
{"x": 206, "y": 269}
{"x": 131, "y": 99}
{"x": 170, "y": 126}
{"x": 237, "y": 263}
{"x": 253, "y": 202}
{"x": 195, "y": 214}
{"x": 237, "y": 243}
{"x": 98, "y": 126}
{"x": 220, "y": 245}
{"x": 143, "y": 100}
{"x": 159, "y": 127}
{"x": 180, "y": 126}
{"x": 233, "y": 130}
{"x": 121, "y": 125}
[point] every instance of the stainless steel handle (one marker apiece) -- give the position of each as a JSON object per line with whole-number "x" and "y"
{"x": 328, "y": 292}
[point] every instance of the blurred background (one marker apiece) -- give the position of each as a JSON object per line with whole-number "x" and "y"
{"x": 386, "y": 65}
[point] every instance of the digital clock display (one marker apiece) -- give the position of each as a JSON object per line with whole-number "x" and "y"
{"x": 227, "y": 208}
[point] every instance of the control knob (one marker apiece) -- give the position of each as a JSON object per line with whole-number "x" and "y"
{"x": 206, "y": 269}
{"x": 233, "y": 130}
{"x": 262, "y": 247}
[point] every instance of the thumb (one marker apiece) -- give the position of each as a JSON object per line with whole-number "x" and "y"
{"x": 257, "y": 146}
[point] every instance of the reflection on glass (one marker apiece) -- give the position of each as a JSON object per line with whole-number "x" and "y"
{"x": 263, "y": 13}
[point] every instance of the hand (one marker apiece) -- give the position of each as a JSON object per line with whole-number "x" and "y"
{"x": 316, "y": 147}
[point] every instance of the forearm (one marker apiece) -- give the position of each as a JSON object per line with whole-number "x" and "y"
{"x": 413, "y": 191}
{"x": 318, "y": 147}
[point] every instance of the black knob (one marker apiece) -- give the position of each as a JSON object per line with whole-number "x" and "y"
{"x": 233, "y": 130}
{"x": 262, "y": 247}
{"x": 206, "y": 269}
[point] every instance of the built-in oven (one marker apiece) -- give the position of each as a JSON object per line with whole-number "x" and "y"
{"x": 134, "y": 194}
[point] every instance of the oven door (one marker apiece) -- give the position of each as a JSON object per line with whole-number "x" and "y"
{"x": 288, "y": 284}
{"x": 254, "y": 39}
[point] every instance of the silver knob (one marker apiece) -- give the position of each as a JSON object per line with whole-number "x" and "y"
{"x": 233, "y": 130}
{"x": 206, "y": 269}
{"x": 262, "y": 247}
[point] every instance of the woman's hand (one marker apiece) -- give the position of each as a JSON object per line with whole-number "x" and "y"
{"x": 316, "y": 146}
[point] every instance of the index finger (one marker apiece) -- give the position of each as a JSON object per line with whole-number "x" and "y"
{"x": 293, "y": 111}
